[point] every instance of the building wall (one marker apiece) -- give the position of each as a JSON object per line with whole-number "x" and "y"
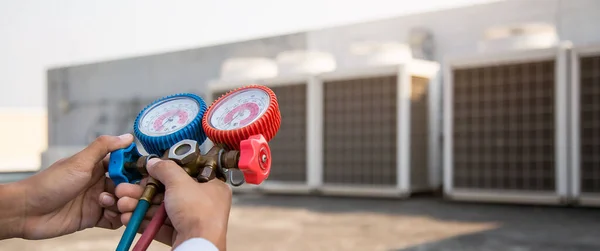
{"x": 103, "y": 98}
{"x": 458, "y": 31}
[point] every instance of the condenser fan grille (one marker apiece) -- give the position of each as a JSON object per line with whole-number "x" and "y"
{"x": 590, "y": 123}
{"x": 419, "y": 130}
{"x": 360, "y": 128}
{"x": 504, "y": 127}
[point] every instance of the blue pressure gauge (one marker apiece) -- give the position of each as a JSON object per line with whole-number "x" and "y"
{"x": 169, "y": 120}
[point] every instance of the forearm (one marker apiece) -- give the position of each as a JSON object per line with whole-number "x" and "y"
{"x": 12, "y": 211}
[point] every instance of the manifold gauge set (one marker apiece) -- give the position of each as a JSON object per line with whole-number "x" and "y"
{"x": 240, "y": 124}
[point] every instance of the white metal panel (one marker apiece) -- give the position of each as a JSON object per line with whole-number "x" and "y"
{"x": 403, "y": 135}
{"x": 575, "y": 173}
{"x": 576, "y": 176}
{"x": 435, "y": 130}
{"x": 314, "y": 133}
{"x": 404, "y": 74}
{"x": 562, "y": 118}
{"x": 448, "y": 139}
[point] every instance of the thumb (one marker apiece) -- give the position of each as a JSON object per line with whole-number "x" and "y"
{"x": 101, "y": 147}
{"x": 167, "y": 172}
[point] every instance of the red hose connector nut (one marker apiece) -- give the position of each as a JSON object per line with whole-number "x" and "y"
{"x": 255, "y": 159}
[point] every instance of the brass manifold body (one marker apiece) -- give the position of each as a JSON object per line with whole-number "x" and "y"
{"x": 216, "y": 163}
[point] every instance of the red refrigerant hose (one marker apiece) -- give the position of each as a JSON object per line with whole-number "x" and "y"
{"x": 157, "y": 221}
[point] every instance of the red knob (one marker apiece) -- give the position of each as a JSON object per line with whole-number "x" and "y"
{"x": 255, "y": 159}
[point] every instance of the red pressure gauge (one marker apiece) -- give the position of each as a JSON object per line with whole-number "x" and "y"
{"x": 241, "y": 113}
{"x": 245, "y": 119}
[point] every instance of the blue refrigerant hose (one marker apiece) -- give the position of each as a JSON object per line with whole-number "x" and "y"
{"x": 133, "y": 226}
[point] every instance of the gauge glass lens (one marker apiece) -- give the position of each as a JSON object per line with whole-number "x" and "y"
{"x": 169, "y": 116}
{"x": 240, "y": 109}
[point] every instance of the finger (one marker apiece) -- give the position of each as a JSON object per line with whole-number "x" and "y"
{"x": 167, "y": 172}
{"x": 144, "y": 182}
{"x": 164, "y": 235}
{"x": 109, "y": 220}
{"x": 100, "y": 148}
{"x": 127, "y": 204}
{"x": 221, "y": 186}
{"x": 159, "y": 198}
{"x": 108, "y": 201}
{"x": 105, "y": 162}
{"x": 109, "y": 186}
{"x": 129, "y": 190}
{"x": 135, "y": 191}
{"x": 125, "y": 215}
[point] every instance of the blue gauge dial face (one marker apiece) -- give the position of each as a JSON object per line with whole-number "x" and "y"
{"x": 168, "y": 116}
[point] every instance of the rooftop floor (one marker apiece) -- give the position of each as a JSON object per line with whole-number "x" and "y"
{"x": 422, "y": 223}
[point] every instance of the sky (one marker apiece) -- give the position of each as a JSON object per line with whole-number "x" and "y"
{"x": 39, "y": 34}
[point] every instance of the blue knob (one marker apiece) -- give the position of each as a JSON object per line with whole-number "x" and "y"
{"x": 116, "y": 165}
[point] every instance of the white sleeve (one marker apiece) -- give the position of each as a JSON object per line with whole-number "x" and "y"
{"x": 196, "y": 244}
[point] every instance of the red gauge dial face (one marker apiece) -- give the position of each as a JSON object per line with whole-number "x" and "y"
{"x": 168, "y": 116}
{"x": 239, "y": 109}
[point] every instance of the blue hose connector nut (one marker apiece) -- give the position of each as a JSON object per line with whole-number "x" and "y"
{"x": 159, "y": 144}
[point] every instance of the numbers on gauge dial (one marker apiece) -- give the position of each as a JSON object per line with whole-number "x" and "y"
{"x": 169, "y": 116}
{"x": 240, "y": 109}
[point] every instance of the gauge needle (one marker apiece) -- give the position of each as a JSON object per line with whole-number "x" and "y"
{"x": 168, "y": 120}
{"x": 236, "y": 115}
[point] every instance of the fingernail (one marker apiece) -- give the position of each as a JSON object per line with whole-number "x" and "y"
{"x": 107, "y": 200}
{"x": 110, "y": 214}
{"x": 126, "y": 136}
{"x": 152, "y": 161}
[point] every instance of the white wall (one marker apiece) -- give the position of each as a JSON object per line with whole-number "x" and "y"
{"x": 22, "y": 139}
{"x": 458, "y": 31}
{"x": 455, "y": 31}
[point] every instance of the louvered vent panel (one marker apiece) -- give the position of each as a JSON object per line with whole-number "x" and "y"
{"x": 504, "y": 127}
{"x": 288, "y": 147}
{"x": 360, "y": 127}
{"x": 419, "y": 131}
{"x": 590, "y": 123}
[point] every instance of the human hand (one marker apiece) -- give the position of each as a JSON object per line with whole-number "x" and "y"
{"x": 195, "y": 210}
{"x": 71, "y": 195}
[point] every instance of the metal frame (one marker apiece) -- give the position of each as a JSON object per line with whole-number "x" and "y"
{"x": 435, "y": 129}
{"x": 559, "y": 53}
{"x": 404, "y": 72}
{"x": 585, "y": 199}
{"x": 312, "y": 152}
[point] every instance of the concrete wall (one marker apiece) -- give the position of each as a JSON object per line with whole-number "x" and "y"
{"x": 104, "y": 97}
{"x": 458, "y": 31}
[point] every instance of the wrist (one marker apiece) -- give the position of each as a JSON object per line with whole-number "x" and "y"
{"x": 210, "y": 232}
{"x": 12, "y": 210}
